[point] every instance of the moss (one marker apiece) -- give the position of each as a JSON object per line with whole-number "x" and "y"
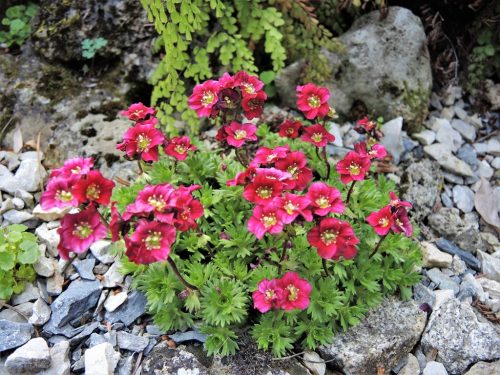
{"x": 418, "y": 103}
{"x": 57, "y": 83}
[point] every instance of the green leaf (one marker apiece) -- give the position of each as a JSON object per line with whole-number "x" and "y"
{"x": 7, "y": 261}
{"x": 30, "y": 253}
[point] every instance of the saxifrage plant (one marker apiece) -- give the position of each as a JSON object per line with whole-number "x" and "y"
{"x": 17, "y": 19}
{"x": 255, "y": 232}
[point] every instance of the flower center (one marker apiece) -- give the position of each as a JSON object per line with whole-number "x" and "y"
{"x": 314, "y": 101}
{"x": 64, "y": 196}
{"x": 293, "y": 292}
{"x": 329, "y": 236}
{"x": 293, "y": 170}
{"x": 248, "y": 87}
{"x": 143, "y": 143}
{"x": 240, "y": 134}
{"x": 322, "y": 202}
{"x": 270, "y": 294}
{"x": 137, "y": 112}
{"x": 76, "y": 170}
{"x": 207, "y": 98}
{"x": 269, "y": 220}
{"x": 317, "y": 137}
{"x": 271, "y": 157}
{"x": 290, "y": 131}
{"x": 153, "y": 241}
{"x": 264, "y": 192}
{"x": 383, "y": 222}
{"x": 186, "y": 214}
{"x": 354, "y": 169}
{"x": 394, "y": 202}
{"x": 93, "y": 191}
{"x": 82, "y": 230}
{"x": 180, "y": 149}
{"x": 157, "y": 202}
{"x": 290, "y": 208}
{"x": 399, "y": 223}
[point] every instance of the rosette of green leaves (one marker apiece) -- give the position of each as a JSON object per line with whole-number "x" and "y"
{"x": 17, "y": 19}
{"x": 18, "y": 252}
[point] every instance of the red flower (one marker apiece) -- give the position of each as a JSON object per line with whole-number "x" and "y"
{"x": 253, "y": 105}
{"x": 295, "y": 164}
{"x": 204, "y": 97}
{"x": 313, "y": 100}
{"x": 290, "y": 129}
{"x": 292, "y": 205}
{"x": 266, "y": 156}
{"x": 296, "y": 292}
{"x": 150, "y": 242}
{"x": 317, "y": 135}
{"x": 221, "y": 134}
{"x": 396, "y": 202}
{"x": 325, "y": 199}
{"x": 365, "y": 125}
{"x": 269, "y": 295}
{"x": 262, "y": 189}
{"x": 142, "y": 140}
{"x": 74, "y": 167}
{"x": 249, "y": 85}
{"x": 333, "y": 238}
{"x": 178, "y": 147}
{"x": 242, "y": 178}
{"x": 59, "y": 193}
{"x": 138, "y": 111}
{"x": 376, "y": 152}
{"x": 265, "y": 219}
{"x": 153, "y": 198}
{"x": 238, "y": 134}
{"x": 187, "y": 208}
{"x": 353, "y": 167}
{"x": 402, "y": 222}
{"x": 227, "y": 81}
{"x": 79, "y": 231}
{"x": 94, "y": 188}
{"x": 381, "y": 221}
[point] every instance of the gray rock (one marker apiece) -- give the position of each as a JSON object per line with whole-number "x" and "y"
{"x": 386, "y": 67}
{"x": 113, "y": 276}
{"x": 87, "y": 330}
{"x": 181, "y": 337}
{"x": 133, "y": 308}
{"x": 446, "y": 200}
{"x": 44, "y": 267}
{"x": 449, "y": 137}
{"x": 382, "y": 339}
{"x": 412, "y": 367}
{"x": 421, "y": 183}
{"x": 468, "y": 154}
{"x": 20, "y": 315}
{"x": 458, "y": 266}
{"x": 442, "y": 154}
{"x": 60, "y": 364}
{"x": 131, "y": 342}
{"x": 470, "y": 287}
{"x": 314, "y": 363}
{"x": 164, "y": 360}
{"x": 422, "y": 294}
{"x": 49, "y": 237}
{"x": 56, "y": 281}
{"x": 492, "y": 287}
{"x": 425, "y": 137}
{"x": 463, "y": 198}
{"x": 453, "y": 178}
{"x": 434, "y": 368}
{"x": 101, "y": 360}
{"x": 442, "y": 281}
{"x": 27, "y": 198}
{"x": 18, "y": 203}
{"x": 125, "y": 365}
{"x": 30, "y": 175}
{"x": 392, "y": 139}
{"x": 467, "y": 131}
{"x": 459, "y": 337}
{"x": 485, "y": 368}
{"x": 41, "y": 313}
{"x": 485, "y": 170}
{"x": 453, "y": 249}
{"x": 115, "y": 300}
{"x": 99, "y": 249}
{"x": 50, "y": 215}
{"x": 6, "y": 205}
{"x": 30, "y": 293}
{"x": 17, "y": 217}
{"x": 81, "y": 296}
{"x": 433, "y": 257}
{"x": 490, "y": 265}
{"x": 33, "y": 356}
{"x": 13, "y": 335}
{"x": 85, "y": 268}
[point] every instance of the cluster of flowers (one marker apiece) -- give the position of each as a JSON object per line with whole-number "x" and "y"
{"x": 288, "y": 293}
{"x": 156, "y": 215}
{"x": 143, "y": 140}
{"x": 393, "y": 217}
{"x": 77, "y": 184}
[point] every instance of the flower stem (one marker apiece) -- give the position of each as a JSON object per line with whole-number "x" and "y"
{"x": 104, "y": 221}
{"x": 350, "y": 192}
{"x": 283, "y": 252}
{"x": 179, "y": 276}
{"x": 376, "y": 247}
{"x": 140, "y": 167}
{"x": 325, "y": 267}
{"x": 238, "y": 156}
{"x": 323, "y": 152}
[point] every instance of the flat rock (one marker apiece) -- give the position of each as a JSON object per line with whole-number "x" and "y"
{"x": 382, "y": 339}
{"x": 465, "y": 256}
{"x": 485, "y": 368}
{"x": 85, "y": 268}
{"x": 60, "y": 364}
{"x": 115, "y": 300}
{"x": 81, "y": 296}
{"x": 426, "y": 137}
{"x": 490, "y": 265}
{"x": 463, "y": 197}
{"x": 449, "y": 137}
{"x": 434, "y": 368}
{"x": 442, "y": 154}
{"x": 468, "y": 154}
{"x": 485, "y": 169}
{"x": 50, "y": 215}
{"x": 113, "y": 276}
{"x": 101, "y": 360}
{"x": 314, "y": 363}
{"x": 433, "y": 257}
{"x": 13, "y": 335}
{"x": 467, "y": 131}
{"x": 492, "y": 287}
{"x": 49, "y": 237}
{"x": 33, "y": 356}
{"x": 442, "y": 280}
{"x": 30, "y": 293}
{"x": 131, "y": 342}
{"x": 17, "y": 217}
{"x": 41, "y": 313}
{"x": 99, "y": 249}
{"x": 129, "y": 311}
{"x": 44, "y": 267}
{"x": 459, "y": 337}
{"x": 412, "y": 367}
{"x": 164, "y": 360}
{"x": 392, "y": 139}
{"x": 181, "y": 337}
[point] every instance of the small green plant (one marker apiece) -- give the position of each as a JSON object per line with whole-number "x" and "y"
{"x": 91, "y": 46}
{"x": 17, "y": 19}
{"x": 485, "y": 58}
{"x": 18, "y": 252}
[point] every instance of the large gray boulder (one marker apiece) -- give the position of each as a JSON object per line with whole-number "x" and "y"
{"x": 385, "y": 65}
{"x": 382, "y": 339}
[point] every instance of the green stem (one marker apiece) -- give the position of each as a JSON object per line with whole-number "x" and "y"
{"x": 323, "y": 151}
{"x": 283, "y": 251}
{"x": 325, "y": 267}
{"x": 350, "y": 192}
{"x": 179, "y": 276}
{"x": 376, "y": 247}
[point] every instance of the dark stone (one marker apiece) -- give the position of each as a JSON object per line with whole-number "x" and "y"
{"x": 131, "y": 342}
{"x": 449, "y": 247}
{"x": 181, "y": 337}
{"x": 85, "y": 268}
{"x": 13, "y": 335}
{"x": 49, "y": 329}
{"x": 132, "y": 308}
{"x": 86, "y": 332}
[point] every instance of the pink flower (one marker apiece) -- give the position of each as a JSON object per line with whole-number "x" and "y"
{"x": 290, "y": 129}
{"x": 253, "y": 105}
{"x": 249, "y": 85}
{"x": 227, "y": 81}
{"x": 266, "y": 156}
{"x": 79, "y": 231}
{"x": 138, "y": 111}
{"x": 238, "y": 134}
{"x": 269, "y": 295}
{"x": 59, "y": 193}
{"x": 178, "y": 147}
{"x": 265, "y": 219}
{"x": 402, "y": 222}
{"x": 295, "y": 164}
{"x": 396, "y": 202}
{"x": 313, "y": 100}
{"x": 353, "y": 167}
{"x": 325, "y": 199}
{"x": 365, "y": 125}
{"x": 142, "y": 140}
{"x": 317, "y": 135}
{"x": 376, "y": 152}
{"x": 74, "y": 167}
{"x": 292, "y": 205}
{"x": 150, "y": 242}
{"x": 262, "y": 189}
{"x": 187, "y": 208}
{"x": 296, "y": 290}
{"x": 333, "y": 238}
{"x": 204, "y": 97}
{"x": 153, "y": 198}
{"x": 242, "y": 178}
{"x": 94, "y": 188}
{"x": 381, "y": 220}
